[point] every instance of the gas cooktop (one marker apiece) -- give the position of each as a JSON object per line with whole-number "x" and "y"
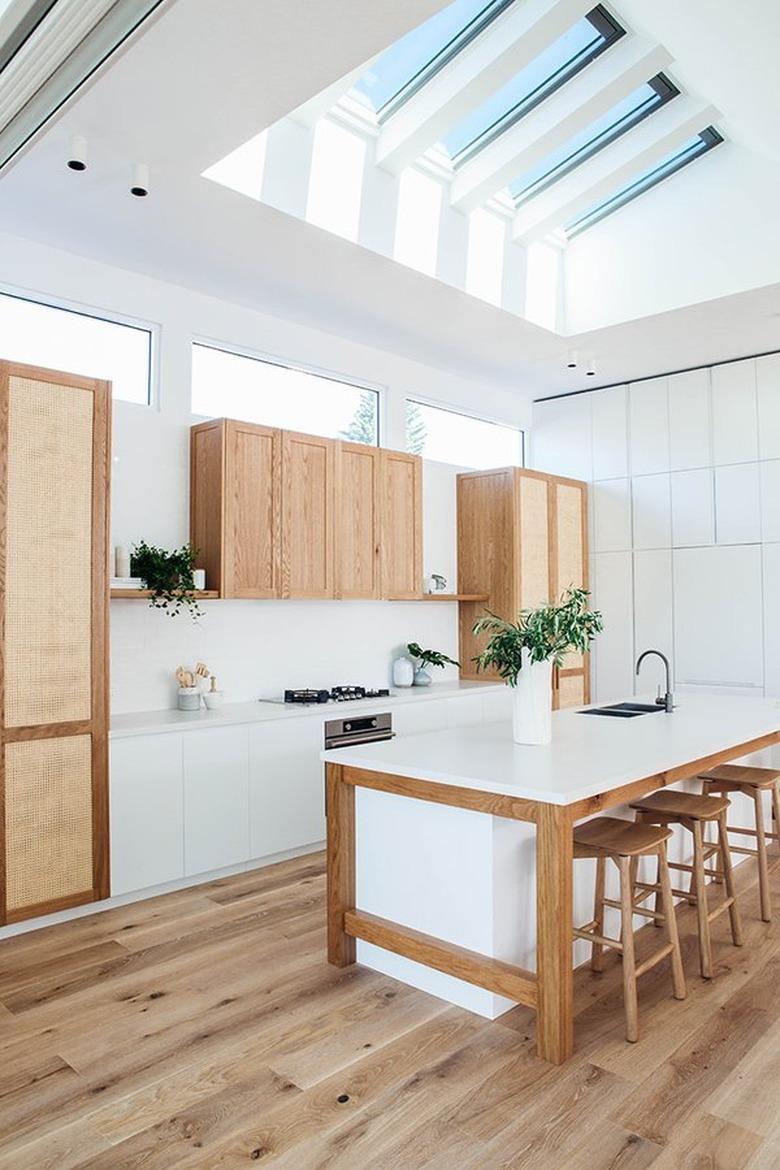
{"x": 311, "y": 696}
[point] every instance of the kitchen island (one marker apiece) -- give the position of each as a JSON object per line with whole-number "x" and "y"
{"x": 438, "y": 839}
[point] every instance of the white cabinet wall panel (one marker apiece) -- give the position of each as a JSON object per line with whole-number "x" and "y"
{"x": 287, "y": 787}
{"x": 737, "y": 504}
{"x": 770, "y": 500}
{"x": 614, "y": 648}
{"x": 768, "y": 387}
{"x": 611, "y": 515}
{"x": 147, "y": 812}
{"x": 718, "y": 625}
{"x": 689, "y": 420}
{"x": 413, "y": 720}
{"x": 465, "y": 711}
{"x": 734, "y": 414}
{"x": 610, "y": 433}
{"x": 216, "y": 799}
{"x": 693, "y": 508}
{"x": 649, "y": 426}
{"x": 772, "y": 619}
{"x": 652, "y": 511}
{"x": 561, "y": 437}
{"x": 653, "y": 621}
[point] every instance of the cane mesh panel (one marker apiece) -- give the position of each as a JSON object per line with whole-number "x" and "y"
{"x": 571, "y": 690}
{"x": 534, "y": 543}
{"x": 49, "y": 539}
{"x": 48, "y": 811}
{"x": 568, "y": 503}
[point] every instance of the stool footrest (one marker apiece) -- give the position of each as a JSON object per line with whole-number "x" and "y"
{"x": 653, "y": 959}
{"x": 720, "y": 908}
{"x": 770, "y": 836}
{"x": 746, "y": 852}
{"x": 591, "y": 936}
{"x": 689, "y": 868}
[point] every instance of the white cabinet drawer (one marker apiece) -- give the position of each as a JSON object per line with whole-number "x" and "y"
{"x": 216, "y": 799}
{"x": 147, "y": 812}
{"x": 286, "y": 787}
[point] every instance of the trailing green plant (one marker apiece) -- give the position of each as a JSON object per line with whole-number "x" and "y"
{"x": 548, "y": 632}
{"x": 429, "y": 657}
{"x": 168, "y": 575}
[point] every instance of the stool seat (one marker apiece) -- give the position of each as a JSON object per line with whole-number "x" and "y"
{"x": 605, "y": 836}
{"x": 741, "y": 774}
{"x": 690, "y": 805}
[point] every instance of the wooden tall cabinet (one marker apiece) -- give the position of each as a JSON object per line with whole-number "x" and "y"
{"x": 281, "y": 514}
{"x": 522, "y": 539}
{"x": 54, "y": 474}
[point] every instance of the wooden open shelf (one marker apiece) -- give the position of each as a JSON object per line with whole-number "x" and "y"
{"x": 132, "y": 594}
{"x": 443, "y": 597}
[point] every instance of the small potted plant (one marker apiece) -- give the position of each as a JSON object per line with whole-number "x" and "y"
{"x": 168, "y": 576}
{"x": 523, "y": 653}
{"x": 427, "y": 658}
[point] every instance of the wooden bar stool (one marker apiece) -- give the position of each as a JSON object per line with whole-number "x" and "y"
{"x": 693, "y": 812}
{"x": 625, "y": 842}
{"x": 753, "y": 782}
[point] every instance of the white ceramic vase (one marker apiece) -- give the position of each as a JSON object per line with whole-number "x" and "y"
{"x": 532, "y": 709}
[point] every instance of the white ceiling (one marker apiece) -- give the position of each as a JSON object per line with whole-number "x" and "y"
{"x": 203, "y": 78}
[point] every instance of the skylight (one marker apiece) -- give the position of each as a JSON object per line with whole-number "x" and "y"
{"x": 565, "y": 57}
{"x": 643, "y": 101}
{"x": 412, "y": 60}
{"x": 701, "y": 144}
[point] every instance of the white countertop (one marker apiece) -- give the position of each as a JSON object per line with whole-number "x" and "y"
{"x": 153, "y": 722}
{"x": 588, "y": 754}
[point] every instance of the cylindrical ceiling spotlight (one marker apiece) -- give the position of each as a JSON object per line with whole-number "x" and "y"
{"x": 590, "y": 367}
{"x": 140, "y": 184}
{"x": 77, "y": 159}
{"x": 573, "y": 359}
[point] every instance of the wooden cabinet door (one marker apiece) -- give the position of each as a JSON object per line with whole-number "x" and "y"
{"x": 533, "y": 538}
{"x": 400, "y": 553}
{"x": 308, "y": 470}
{"x": 569, "y": 545}
{"x": 252, "y": 503}
{"x": 356, "y": 521}
{"x": 55, "y": 458}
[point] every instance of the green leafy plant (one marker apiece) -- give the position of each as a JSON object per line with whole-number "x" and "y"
{"x": 429, "y": 657}
{"x": 168, "y": 575}
{"x": 549, "y": 632}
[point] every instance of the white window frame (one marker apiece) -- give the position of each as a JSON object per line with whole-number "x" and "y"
{"x": 485, "y": 418}
{"x": 98, "y": 313}
{"x": 269, "y": 359}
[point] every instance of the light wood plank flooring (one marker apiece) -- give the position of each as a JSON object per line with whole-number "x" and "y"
{"x": 205, "y": 1029}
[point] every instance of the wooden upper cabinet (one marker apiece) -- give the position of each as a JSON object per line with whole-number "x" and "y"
{"x": 235, "y": 502}
{"x": 400, "y": 547}
{"x": 356, "y": 521}
{"x": 308, "y": 471}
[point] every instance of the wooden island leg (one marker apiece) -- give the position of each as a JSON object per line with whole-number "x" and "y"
{"x": 555, "y": 977}
{"x": 340, "y": 808}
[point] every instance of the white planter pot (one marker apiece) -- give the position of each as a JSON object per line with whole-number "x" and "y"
{"x": 532, "y": 710}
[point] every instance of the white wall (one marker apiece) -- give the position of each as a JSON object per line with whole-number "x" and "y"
{"x": 685, "y": 538}
{"x": 254, "y": 647}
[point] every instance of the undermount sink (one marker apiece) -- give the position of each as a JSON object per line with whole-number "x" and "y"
{"x": 624, "y": 710}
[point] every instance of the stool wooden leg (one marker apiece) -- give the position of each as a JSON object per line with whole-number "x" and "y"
{"x": 678, "y": 977}
{"x": 705, "y": 788}
{"x": 763, "y": 867}
{"x": 776, "y": 809}
{"x": 728, "y": 878}
{"x": 597, "y": 950}
{"x": 627, "y": 939}
{"x": 702, "y": 911}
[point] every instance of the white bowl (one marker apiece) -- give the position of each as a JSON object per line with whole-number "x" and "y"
{"x": 213, "y": 699}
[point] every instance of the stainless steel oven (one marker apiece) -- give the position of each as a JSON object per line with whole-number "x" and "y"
{"x": 356, "y": 729}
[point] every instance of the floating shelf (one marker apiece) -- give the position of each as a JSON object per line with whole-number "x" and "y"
{"x": 444, "y": 597}
{"x": 132, "y": 594}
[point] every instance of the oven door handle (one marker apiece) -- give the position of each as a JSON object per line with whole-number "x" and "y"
{"x": 337, "y": 741}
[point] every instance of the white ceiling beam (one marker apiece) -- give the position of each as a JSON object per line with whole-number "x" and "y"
{"x": 505, "y": 47}
{"x": 319, "y": 105}
{"x": 639, "y": 149}
{"x": 588, "y": 96}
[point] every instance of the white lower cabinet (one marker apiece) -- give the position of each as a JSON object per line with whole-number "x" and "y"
{"x": 286, "y": 785}
{"x": 147, "y": 812}
{"x": 216, "y": 799}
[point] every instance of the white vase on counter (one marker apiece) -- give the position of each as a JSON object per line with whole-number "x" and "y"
{"x": 532, "y": 702}
{"x": 403, "y": 672}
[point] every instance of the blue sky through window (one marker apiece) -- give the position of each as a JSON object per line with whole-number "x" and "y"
{"x": 594, "y": 137}
{"x": 695, "y": 148}
{"x": 424, "y": 46}
{"x": 550, "y": 69}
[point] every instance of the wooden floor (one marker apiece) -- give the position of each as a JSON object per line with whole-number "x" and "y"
{"x": 205, "y": 1029}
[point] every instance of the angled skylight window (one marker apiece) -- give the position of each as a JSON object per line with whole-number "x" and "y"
{"x": 565, "y": 57}
{"x": 701, "y": 144}
{"x": 411, "y": 61}
{"x": 643, "y": 101}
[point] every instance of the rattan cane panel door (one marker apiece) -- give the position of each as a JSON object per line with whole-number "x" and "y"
{"x": 534, "y": 523}
{"x": 48, "y": 820}
{"x": 48, "y": 549}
